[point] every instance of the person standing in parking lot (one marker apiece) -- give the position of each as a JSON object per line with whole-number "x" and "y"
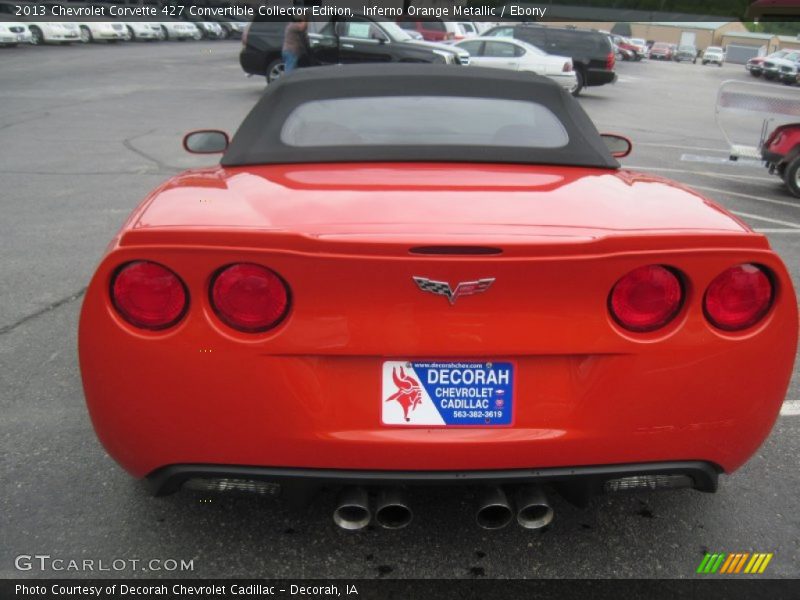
{"x": 295, "y": 43}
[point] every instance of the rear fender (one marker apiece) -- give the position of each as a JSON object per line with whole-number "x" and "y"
{"x": 784, "y": 143}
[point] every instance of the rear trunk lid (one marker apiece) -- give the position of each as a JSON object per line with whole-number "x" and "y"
{"x": 428, "y": 203}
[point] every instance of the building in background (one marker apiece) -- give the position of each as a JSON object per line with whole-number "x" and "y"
{"x": 789, "y": 42}
{"x": 706, "y": 33}
{"x": 741, "y": 47}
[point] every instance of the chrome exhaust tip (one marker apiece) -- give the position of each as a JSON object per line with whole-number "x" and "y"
{"x": 494, "y": 510}
{"x": 392, "y": 510}
{"x": 352, "y": 509}
{"x": 533, "y": 508}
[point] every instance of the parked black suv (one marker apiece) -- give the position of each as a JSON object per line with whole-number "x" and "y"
{"x": 591, "y": 51}
{"x": 357, "y": 39}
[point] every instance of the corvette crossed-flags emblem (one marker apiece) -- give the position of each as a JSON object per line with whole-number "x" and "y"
{"x": 463, "y": 288}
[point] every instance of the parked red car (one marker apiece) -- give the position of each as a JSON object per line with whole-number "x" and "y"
{"x": 417, "y": 274}
{"x": 433, "y": 30}
{"x": 662, "y": 51}
{"x": 781, "y": 154}
{"x": 630, "y": 50}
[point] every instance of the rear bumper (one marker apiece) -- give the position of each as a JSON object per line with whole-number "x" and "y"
{"x": 600, "y": 77}
{"x": 772, "y": 157}
{"x": 565, "y": 80}
{"x": 254, "y": 62}
{"x": 576, "y": 483}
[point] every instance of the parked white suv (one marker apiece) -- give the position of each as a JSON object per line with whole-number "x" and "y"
{"x": 714, "y": 54}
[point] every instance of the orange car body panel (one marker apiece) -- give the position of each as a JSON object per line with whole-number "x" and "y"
{"x": 308, "y": 393}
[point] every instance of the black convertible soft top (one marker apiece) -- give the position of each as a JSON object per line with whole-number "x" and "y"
{"x": 261, "y": 139}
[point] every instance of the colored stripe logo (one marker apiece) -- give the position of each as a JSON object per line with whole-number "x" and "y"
{"x": 734, "y": 563}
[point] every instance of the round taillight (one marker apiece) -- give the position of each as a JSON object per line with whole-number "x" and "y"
{"x": 646, "y": 299}
{"x": 249, "y": 297}
{"x": 739, "y": 297}
{"x": 149, "y": 295}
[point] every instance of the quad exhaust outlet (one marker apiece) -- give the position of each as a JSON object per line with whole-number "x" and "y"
{"x": 494, "y": 509}
{"x": 392, "y": 511}
{"x": 352, "y": 509}
{"x": 533, "y": 508}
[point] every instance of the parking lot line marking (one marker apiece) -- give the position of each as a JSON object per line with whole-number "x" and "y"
{"x": 762, "y": 230}
{"x": 704, "y": 173}
{"x": 720, "y": 160}
{"x": 790, "y": 408}
{"x": 726, "y": 150}
{"x": 765, "y": 219}
{"x": 748, "y": 196}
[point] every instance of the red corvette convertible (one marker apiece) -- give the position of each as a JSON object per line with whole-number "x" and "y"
{"x": 405, "y": 275}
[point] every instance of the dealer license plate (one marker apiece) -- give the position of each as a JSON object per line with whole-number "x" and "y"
{"x": 433, "y": 393}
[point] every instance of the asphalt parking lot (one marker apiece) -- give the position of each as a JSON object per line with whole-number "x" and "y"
{"x": 87, "y": 131}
